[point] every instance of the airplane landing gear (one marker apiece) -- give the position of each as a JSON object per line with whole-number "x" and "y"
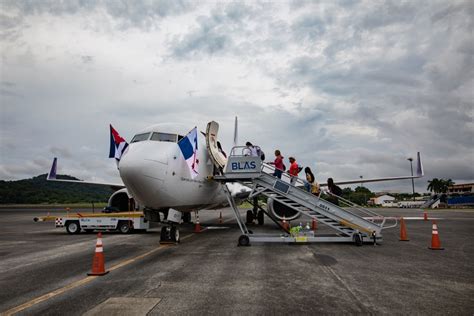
{"x": 249, "y": 217}
{"x": 186, "y": 217}
{"x": 169, "y": 234}
{"x": 255, "y": 214}
{"x": 358, "y": 239}
{"x": 260, "y": 218}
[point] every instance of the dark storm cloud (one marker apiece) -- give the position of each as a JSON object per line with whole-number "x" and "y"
{"x": 309, "y": 27}
{"x": 387, "y": 13}
{"x": 128, "y": 13}
{"x": 8, "y": 27}
{"x": 215, "y": 33}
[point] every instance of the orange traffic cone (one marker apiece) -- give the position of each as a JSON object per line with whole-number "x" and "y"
{"x": 425, "y": 216}
{"x": 98, "y": 267}
{"x": 314, "y": 224}
{"x": 220, "y": 217}
{"x": 403, "y": 231}
{"x": 435, "y": 243}
{"x": 197, "y": 226}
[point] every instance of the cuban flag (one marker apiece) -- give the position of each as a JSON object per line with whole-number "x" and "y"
{"x": 118, "y": 145}
{"x": 189, "y": 147}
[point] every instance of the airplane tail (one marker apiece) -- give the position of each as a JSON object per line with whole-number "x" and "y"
{"x": 118, "y": 145}
{"x": 236, "y": 132}
{"x": 52, "y": 172}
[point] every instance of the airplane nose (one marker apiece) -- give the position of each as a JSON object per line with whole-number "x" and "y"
{"x": 143, "y": 172}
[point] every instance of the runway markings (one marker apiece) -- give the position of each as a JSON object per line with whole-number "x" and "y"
{"x": 49, "y": 295}
{"x": 83, "y": 281}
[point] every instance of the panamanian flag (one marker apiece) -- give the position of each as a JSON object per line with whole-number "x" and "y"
{"x": 189, "y": 148}
{"x": 118, "y": 145}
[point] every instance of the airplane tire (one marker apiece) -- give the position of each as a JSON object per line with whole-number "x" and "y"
{"x": 358, "y": 240}
{"x": 249, "y": 217}
{"x": 260, "y": 219}
{"x": 174, "y": 234}
{"x": 72, "y": 227}
{"x": 244, "y": 241}
{"x": 164, "y": 234}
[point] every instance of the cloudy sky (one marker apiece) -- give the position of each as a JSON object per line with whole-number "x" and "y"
{"x": 349, "y": 88}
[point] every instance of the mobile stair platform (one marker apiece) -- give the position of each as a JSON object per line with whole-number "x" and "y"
{"x": 349, "y": 223}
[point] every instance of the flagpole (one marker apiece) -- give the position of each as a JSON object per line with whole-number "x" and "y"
{"x": 188, "y": 133}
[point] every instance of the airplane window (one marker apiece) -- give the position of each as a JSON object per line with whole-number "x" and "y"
{"x": 140, "y": 137}
{"x": 164, "y": 137}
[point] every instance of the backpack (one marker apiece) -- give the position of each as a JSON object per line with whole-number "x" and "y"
{"x": 337, "y": 190}
{"x": 299, "y": 168}
{"x": 260, "y": 153}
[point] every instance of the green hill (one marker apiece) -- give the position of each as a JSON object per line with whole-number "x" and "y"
{"x": 38, "y": 190}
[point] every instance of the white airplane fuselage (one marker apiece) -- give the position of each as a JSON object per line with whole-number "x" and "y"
{"x": 157, "y": 176}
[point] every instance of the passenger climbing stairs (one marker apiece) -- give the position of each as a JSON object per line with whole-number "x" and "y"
{"x": 348, "y": 223}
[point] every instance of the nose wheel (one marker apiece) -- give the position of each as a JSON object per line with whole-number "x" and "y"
{"x": 169, "y": 234}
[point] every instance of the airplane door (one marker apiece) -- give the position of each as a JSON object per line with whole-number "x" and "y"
{"x": 211, "y": 143}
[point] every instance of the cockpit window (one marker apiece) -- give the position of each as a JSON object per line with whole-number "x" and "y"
{"x": 164, "y": 137}
{"x": 140, "y": 137}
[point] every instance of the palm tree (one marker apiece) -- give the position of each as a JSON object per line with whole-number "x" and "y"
{"x": 445, "y": 185}
{"x": 439, "y": 185}
{"x": 434, "y": 185}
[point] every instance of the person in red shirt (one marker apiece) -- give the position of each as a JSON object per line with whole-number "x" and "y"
{"x": 278, "y": 163}
{"x": 294, "y": 170}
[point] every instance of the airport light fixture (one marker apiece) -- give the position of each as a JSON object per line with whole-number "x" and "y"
{"x": 412, "y": 181}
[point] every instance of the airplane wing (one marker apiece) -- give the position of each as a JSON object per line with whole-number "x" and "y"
{"x": 52, "y": 177}
{"x": 419, "y": 173}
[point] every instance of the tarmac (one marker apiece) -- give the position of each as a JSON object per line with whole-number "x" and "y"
{"x": 43, "y": 270}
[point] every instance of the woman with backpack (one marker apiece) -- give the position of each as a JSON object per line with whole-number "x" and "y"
{"x": 310, "y": 184}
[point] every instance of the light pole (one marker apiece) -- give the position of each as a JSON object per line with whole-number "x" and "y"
{"x": 412, "y": 181}
{"x": 361, "y": 188}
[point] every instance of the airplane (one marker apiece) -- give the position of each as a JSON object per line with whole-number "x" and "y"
{"x": 157, "y": 178}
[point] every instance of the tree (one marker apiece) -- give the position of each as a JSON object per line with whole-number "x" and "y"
{"x": 439, "y": 185}
{"x": 434, "y": 185}
{"x": 445, "y": 184}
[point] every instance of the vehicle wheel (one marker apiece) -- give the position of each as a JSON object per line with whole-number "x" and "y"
{"x": 174, "y": 234}
{"x": 124, "y": 228}
{"x": 164, "y": 233}
{"x": 358, "y": 239}
{"x": 260, "y": 218}
{"x": 249, "y": 217}
{"x": 72, "y": 227}
{"x": 244, "y": 241}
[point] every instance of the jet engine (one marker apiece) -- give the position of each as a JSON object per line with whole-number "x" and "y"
{"x": 279, "y": 210}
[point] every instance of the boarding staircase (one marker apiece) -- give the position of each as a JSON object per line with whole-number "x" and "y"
{"x": 349, "y": 223}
